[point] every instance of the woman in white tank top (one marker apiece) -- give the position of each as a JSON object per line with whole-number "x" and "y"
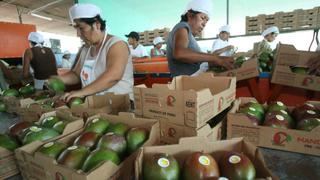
{"x": 105, "y": 63}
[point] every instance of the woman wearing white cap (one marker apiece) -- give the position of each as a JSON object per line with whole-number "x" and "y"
{"x": 269, "y": 36}
{"x": 221, "y": 46}
{"x": 157, "y": 51}
{"x": 41, "y": 59}
{"x": 105, "y": 64}
{"x": 183, "y": 52}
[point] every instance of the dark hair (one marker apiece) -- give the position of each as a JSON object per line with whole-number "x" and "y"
{"x": 34, "y": 43}
{"x": 98, "y": 18}
{"x": 184, "y": 17}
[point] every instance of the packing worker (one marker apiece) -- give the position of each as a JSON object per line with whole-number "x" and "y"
{"x": 269, "y": 35}
{"x": 221, "y": 46}
{"x": 156, "y": 50}
{"x": 41, "y": 60}
{"x": 183, "y": 52}
{"x": 104, "y": 64}
{"x": 137, "y": 50}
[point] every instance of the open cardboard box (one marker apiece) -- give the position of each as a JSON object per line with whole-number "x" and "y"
{"x": 213, "y": 129}
{"x": 188, "y": 101}
{"x": 109, "y": 103}
{"x": 248, "y": 69}
{"x": 188, "y": 145}
{"x": 239, "y": 125}
{"x": 24, "y": 161}
{"x": 288, "y": 55}
{"x": 43, "y": 167}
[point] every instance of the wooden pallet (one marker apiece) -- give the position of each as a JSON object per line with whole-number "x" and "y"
{"x": 285, "y": 21}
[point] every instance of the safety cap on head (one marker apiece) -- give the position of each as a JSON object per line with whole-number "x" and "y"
{"x": 203, "y": 6}
{"x": 157, "y": 40}
{"x": 84, "y": 10}
{"x": 225, "y": 28}
{"x": 35, "y": 37}
{"x": 272, "y": 29}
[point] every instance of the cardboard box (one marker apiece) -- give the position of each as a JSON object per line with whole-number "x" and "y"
{"x": 74, "y": 124}
{"x": 188, "y": 101}
{"x": 213, "y": 129}
{"x": 239, "y": 125}
{"x": 171, "y": 133}
{"x": 249, "y": 69}
{"x": 188, "y": 145}
{"x": 109, "y": 103}
{"x": 8, "y": 164}
{"x": 42, "y": 167}
{"x": 288, "y": 56}
{"x": 14, "y": 104}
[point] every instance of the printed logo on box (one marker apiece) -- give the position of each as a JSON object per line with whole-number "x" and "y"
{"x": 307, "y": 81}
{"x": 281, "y": 138}
{"x": 172, "y": 132}
{"x": 59, "y": 176}
{"x": 171, "y": 100}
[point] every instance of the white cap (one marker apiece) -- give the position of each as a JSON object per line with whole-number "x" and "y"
{"x": 225, "y": 28}
{"x": 272, "y": 29}
{"x": 203, "y": 6}
{"x": 157, "y": 40}
{"x": 78, "y": 11}
{"x": 36, "y": 37}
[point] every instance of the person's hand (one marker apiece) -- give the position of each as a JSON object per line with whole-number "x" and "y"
{"x": 230, "y": 47}
{"x": 314, "y": 65}
{"x": 226, "y": 62}
{"x": 67, "y": 96}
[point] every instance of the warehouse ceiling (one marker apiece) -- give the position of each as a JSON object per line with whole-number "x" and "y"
{"x": 48, "y": 15}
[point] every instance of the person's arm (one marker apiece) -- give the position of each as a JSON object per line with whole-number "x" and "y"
{"x": 152, "y": 54}
{"x": 26, "y": 63}
{"x": 222, "y": 50}
{"x": 117, "y": 62}
{"x": 314, "y": 65}
{"x": 181, "y": 52}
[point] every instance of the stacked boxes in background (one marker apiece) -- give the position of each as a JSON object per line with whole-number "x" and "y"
{"x": 146, "y": 37}
{"x": 295, "y": 20}
{"x": 186, "y": 105}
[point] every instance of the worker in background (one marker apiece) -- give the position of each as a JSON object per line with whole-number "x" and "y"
{"x": 136, "y": 49}
{"x": 156, "y": 50}
{"x": 41, "y": 59}
{"x": 269, "y": 35}
{"x": 104, "y": 63}
{"x": 221, "y": 46}
{"x": 183, "y": 52}
{"x": 66, "y": 60}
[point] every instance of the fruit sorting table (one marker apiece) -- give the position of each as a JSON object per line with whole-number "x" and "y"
{"x": 285, "y": 165}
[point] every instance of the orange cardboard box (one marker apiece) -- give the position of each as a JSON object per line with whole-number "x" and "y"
{"x": 188, "y": 145}
{"x": 187, "y": 101}
{"x": 239, "y": 125}
{"x": 42, "y": 167}
{"x": 288, "y": 56}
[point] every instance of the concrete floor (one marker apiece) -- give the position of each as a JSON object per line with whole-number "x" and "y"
{"x": 286, "y": 165}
